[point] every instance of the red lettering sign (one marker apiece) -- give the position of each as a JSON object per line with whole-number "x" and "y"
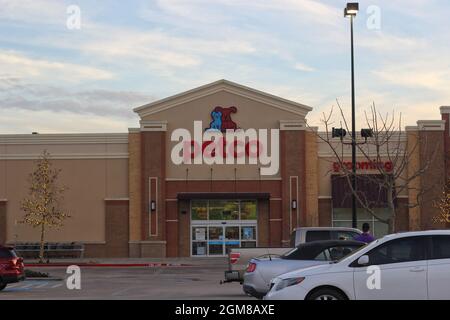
{"x": 364, "y": 165}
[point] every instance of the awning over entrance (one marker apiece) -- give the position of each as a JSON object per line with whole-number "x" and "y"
{"x": 222, "y": 195}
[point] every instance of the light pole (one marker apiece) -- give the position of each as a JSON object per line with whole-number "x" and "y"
{"x": 350, "y": 11}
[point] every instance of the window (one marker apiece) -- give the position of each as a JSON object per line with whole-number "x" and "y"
{"x": 441, "y": 247}
{"x": 344, "y": 235}
{"x": 399, "y": 250}
{"x": 224, "y": 209}
{"x": 248, "y": 236}
{"x": 199, "y": 210}
{"x": 313, "y": 235}
{"x": 323, "y": 256}
{"x": 248, "y": 210}
{"x": 339, "y": 252}
{"x": 342, "y": 217}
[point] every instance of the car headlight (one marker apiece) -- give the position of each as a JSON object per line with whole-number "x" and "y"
{"x": 288, "y": 282}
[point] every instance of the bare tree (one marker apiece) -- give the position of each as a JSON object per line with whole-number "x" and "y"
{"x": 443, "y": 204}
{"x": 42, "y": 206}
{"x": 388, "y": 157}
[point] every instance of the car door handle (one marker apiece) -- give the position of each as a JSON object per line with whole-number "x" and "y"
{"x": 417, "y": 269}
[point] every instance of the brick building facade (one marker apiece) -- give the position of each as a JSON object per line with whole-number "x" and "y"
{"x": 128, "y": 198}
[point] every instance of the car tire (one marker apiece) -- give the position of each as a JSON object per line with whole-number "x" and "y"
{"x": 326, "y": 294}
{"x": 2, "y": 286}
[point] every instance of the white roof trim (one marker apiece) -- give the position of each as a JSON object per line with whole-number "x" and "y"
{"x": 217, "y": 86}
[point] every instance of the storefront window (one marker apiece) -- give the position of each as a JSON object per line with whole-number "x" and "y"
{"x": 248, "y": 236}
{"x": 199, "y": 210}
{"x": 248, "y": 210}
{"x": 342, "y": 217}
{"x": 199, "y": 248}
{"x": 223, "y": 210}
{"x": 232, "y": 233}
{"x": 215, "y": 233}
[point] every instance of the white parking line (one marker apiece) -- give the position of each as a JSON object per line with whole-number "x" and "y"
{"x": 41, "y": 285}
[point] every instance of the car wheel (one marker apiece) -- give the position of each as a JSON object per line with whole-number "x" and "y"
{"x": 326, "y": 294}
{"x": 2, "y": 286}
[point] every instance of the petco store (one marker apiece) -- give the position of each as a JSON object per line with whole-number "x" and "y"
{"x": 216, "y": 167}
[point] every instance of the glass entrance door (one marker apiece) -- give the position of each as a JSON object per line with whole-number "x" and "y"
{"x": 218, "y": 225}
{"x": 215, "y": 240}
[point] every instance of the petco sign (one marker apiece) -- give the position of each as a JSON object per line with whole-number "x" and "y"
{"x": 224, "y": 143}
{"x": 364, "y": 165}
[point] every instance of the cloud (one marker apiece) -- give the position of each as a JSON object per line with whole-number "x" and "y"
{"x": 383, "y": 42}
{"x": 20, "y": 65}
{"x": 26, "y": 121}
{"x": 34, "y": 11}
{"x": 303, "y": 67}
{"x": 429, "y": 75}
{"x": 21, "y": 95}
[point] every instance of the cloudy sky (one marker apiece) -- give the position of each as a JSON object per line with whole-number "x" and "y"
{"x": 127, "y": 53}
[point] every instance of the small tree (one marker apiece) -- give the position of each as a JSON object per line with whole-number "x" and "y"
{"x": 385, "y": 144}
{"x": 444, "y": 206}
{"x": 42, "y": 206}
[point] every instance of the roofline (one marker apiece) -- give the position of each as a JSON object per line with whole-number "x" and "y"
{"x": 304, "y": 109}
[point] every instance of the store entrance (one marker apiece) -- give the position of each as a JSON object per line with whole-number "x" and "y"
{"x": 236, "y": 228}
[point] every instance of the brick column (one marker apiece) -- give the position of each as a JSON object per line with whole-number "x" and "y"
{"x": 413, "y": 148}
{"x": 311, "y": 178}
{"x": 3, "y": 222}
{"x": 431, "y": 136}
{"x": 292, "y": 166}
{"x": 134, "y": 187}
{"x": 445, "y": 116}
{"x": 153, "y": 165}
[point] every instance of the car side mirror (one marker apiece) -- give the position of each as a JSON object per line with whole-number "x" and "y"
{"x": 363, "y": 260}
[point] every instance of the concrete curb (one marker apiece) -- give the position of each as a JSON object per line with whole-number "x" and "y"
{"x": 44, "y": 279}
{"x": 109, "y": 265}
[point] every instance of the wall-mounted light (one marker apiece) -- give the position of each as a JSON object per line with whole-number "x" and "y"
{"x": 153, "y": 205}
{"x": 294, "y": 204}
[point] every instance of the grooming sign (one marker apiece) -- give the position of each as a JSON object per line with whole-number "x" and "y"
{"x": 224, "y": 143}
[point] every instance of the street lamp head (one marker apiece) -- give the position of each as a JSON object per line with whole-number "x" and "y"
{"x": 351, "y": 9}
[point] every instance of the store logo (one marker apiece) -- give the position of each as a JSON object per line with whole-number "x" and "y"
{"x": 364, "y": 165}
{"x": 221, "y": 119}
{"x": 226, "y": 146}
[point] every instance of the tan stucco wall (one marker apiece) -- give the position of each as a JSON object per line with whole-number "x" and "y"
{"x": 89, "y": 182}
{"x": 250, "y": 114}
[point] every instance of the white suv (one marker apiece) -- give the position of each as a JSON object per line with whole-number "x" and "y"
{"x": 410, "y": 265}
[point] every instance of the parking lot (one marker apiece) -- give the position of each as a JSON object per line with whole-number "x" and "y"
{"x": 194, "y": 282}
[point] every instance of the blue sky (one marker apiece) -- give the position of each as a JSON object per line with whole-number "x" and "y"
{"x": 128, "y": 53}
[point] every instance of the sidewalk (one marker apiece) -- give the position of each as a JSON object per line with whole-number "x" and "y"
{"x": 132, "y": 262}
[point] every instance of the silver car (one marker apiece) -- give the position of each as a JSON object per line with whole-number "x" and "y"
{"x": 261, "y": 271}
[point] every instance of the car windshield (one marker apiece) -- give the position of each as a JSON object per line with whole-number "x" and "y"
{"x": 351, "y": 253}
{"x": 287, "y": 254}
